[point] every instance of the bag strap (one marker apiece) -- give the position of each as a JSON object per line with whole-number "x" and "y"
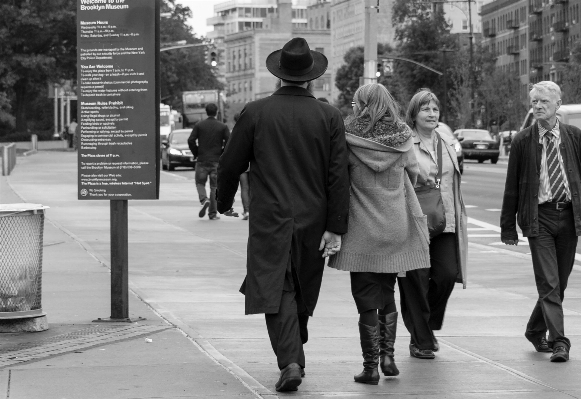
{"x": 439, "y": 176}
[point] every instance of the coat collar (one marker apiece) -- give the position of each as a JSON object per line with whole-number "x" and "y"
{"x": 448, "y": 146}
{"x": 292, "y": 91}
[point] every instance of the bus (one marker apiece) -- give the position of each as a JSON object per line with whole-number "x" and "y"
{"x": 165, "y": 121}
{"x": 194, "y": 105}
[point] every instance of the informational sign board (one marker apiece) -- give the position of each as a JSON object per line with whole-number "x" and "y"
{"x": 118, "y": 99}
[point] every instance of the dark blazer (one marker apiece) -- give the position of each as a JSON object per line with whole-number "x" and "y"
{"x": 211, "y": 136}
{"x": 522, "y": 180}
{"x": 299, "y": 187}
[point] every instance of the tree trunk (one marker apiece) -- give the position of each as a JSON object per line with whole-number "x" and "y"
{"x": 21, "y": 91}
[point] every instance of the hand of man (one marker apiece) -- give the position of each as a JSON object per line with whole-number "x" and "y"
{"x": 510, "y": 242}
{"x": 330, "y": 244}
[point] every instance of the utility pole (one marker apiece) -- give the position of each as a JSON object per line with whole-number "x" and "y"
{"x": 370, "y": 49}
{"x": 445, "y": 77}
{"x": 471, "y": 63}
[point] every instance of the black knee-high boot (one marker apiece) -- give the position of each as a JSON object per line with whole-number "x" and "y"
{"x": 387, "y": 330}
{"x": 370, "y": 347}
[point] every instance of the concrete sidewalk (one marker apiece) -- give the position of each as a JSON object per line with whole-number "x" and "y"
{"x": 186, "y": 271}
{"x": 80, "y": 358}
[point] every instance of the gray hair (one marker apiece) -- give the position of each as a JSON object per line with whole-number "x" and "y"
{"x": 547, "y": 87}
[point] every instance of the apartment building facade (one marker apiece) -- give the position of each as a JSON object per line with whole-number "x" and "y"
{"x": 532, "y": 37}
{"x": 245, "y": 51}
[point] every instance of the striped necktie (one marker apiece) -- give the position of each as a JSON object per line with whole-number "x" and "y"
{"x": 554, "y": 170}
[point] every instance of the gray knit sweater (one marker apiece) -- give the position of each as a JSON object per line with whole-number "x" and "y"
{"x": 388, "y": 232}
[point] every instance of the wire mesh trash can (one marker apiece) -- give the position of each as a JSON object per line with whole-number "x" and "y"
{"x": 21, "y": 236}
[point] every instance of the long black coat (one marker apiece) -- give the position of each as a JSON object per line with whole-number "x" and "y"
{"x": 299, "y": 187}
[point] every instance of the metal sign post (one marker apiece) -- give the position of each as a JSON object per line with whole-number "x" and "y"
{"x": 118, "y": 114}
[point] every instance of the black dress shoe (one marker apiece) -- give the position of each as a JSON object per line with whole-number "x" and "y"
{"x": 436, "y": 345}
{"x": 560, "y": 354}
{"x": 421, "y": 353}
{"x": 290, "y": 378}
{"x": 539, "y": 342}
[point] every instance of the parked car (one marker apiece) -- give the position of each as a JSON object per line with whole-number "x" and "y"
{"x": 568, "y": 113}
{"x": 478, "y": 144}
{"x": 445, "y": 129}
{"x": 507, "y": 135}
{"x": 175, "y": 150}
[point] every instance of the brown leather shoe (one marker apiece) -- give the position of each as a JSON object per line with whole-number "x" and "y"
{"x": 560, "y": 354}
{"x": 539, "y": 342}
{"x": 290, "y": 378}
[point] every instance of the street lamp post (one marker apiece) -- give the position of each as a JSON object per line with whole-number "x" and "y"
{"x": 370, "y": 48}
{"x": 471, "y": 56}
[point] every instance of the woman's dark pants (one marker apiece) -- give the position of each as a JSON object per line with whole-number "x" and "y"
{"x": 424, "y": 293}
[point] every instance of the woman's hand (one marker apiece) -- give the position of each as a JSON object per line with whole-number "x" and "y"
{"x": 330, "y": 244}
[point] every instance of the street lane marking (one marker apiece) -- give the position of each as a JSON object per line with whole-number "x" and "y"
{"x": 497, "y": 229}
{"x": 470, "y": 206}
{"x": 477, "y": 229}
{"x": 482, "y": 235}
{"x": 493, "y": 210}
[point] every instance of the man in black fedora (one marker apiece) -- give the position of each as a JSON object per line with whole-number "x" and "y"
{"x": 300, "y": 199}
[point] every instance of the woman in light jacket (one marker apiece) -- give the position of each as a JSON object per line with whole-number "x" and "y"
{"x": 387, "y": 233}
{"x": 422, "y": 314}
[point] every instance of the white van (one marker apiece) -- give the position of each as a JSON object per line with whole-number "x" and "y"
{"x": 569, "y": 114}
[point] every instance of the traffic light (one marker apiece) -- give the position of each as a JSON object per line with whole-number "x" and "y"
{"x": 213, "y": 58}
{"x": 387, "y": 67}
{"x": 379, "y": 71}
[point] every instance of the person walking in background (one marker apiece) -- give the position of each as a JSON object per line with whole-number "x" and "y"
{"x": 244, "y": 185}
{"x": 71, "y": 133}
{"x": 541, "y": 194}
{"x": 300, "y": 199}
{"x": 207, "y": 142}
{"x": 388, "y": 233}
{"x": 423, "y": 313}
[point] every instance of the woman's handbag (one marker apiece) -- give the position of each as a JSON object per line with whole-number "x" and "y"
{"x": 430, "y": 199}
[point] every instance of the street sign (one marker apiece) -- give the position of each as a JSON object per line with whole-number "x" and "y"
{"x": 118, "y": 106}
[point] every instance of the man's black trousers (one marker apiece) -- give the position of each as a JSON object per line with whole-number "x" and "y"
{"x": 283, "y": 327}
{"x": 553, "y": 253}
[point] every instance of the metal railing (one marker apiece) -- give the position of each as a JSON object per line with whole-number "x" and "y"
{"x": 561, "y": 55}
{"x": 513, "y": 49}
{"x": 8, "y": 158}
{"x": 489, "y": 32}
{"x": 561, "y": 26}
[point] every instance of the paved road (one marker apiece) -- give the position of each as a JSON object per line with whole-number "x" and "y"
{"x": 189, "y": 270}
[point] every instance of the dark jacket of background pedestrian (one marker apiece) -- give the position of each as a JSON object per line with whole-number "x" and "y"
{"x": 212, "y": 136}
{"x": 300, "y": 188}
{"x": 520, "y": 203}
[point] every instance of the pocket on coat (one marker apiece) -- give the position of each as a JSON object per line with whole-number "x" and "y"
{"x": 394, "y": 178}
{"x": 422, "y": 226}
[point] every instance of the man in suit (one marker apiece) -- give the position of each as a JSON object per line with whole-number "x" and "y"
{"x": 207, "y": 141}
{"x": 300, "y": 199}
{"x": 542, "y": 194}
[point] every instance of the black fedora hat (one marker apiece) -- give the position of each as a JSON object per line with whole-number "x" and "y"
{"x": 296, "y": 62}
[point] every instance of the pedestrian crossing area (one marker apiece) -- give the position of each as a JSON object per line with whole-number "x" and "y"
{"x": 482, "y": 234}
